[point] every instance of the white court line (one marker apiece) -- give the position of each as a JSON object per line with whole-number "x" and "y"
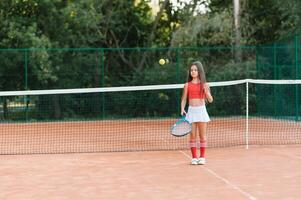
{"x": 249, "y": 196}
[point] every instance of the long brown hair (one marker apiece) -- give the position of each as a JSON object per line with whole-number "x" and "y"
{"x": 201, "y": 72}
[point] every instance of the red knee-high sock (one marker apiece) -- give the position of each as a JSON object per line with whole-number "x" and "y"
{"x": 192, "y": 145}
{"x": 203, "y": 145}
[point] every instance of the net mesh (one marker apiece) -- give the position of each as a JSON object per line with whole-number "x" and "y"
{"x": 139, "y": 118}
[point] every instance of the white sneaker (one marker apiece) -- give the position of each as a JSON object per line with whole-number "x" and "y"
{"x": 194, "y": 161}
{"x": 201, "y": 161}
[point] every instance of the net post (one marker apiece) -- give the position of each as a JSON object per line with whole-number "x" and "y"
{"x": 247, "y": 114}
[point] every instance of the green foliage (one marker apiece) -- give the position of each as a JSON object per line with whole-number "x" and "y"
{"x": 290, "y": 16}
{"x": 204, "y": 30}
{"x": 233, "y": 71}
{"x": 124, "y": 24}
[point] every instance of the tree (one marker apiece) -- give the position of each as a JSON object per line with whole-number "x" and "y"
{"x": 236, "y": 11}
{"x": 205, "y": 30}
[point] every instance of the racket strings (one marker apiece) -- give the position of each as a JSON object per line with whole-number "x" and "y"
{"x": 181, "y": 128}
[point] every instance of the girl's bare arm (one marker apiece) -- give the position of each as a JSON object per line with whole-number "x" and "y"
{"x": 208, "y": 93}
{"x": 184, "y": 99}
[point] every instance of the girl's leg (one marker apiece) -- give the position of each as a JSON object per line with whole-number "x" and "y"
{"x": 192, "y": 141}
{"x": 202, "y": 133}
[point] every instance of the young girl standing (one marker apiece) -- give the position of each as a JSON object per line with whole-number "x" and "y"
{"x": 198, "y": 92}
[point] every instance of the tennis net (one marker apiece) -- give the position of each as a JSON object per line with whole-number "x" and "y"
{"x": 138, "y": 118}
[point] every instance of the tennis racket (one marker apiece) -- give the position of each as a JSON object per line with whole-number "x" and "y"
{"x": 181, "y": 128}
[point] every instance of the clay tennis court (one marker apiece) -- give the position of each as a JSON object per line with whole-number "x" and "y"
{"x": 136, "y": 159}
{"x": 261, "y": 172}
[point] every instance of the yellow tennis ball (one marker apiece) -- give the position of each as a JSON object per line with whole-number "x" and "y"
{"x": 161, "y": 61}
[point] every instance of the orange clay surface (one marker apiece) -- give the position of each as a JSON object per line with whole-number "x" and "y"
{"x": 261, "y": 172}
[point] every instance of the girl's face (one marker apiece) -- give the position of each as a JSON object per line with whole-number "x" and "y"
{"x": 194, "y": 71}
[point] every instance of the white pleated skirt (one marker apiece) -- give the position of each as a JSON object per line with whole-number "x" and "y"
{"x": 197, "y": 114}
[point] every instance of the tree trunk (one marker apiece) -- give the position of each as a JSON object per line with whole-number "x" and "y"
{"x": 237, "y": 50}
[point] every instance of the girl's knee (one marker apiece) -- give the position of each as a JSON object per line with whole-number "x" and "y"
{"x": 203, "y": 137}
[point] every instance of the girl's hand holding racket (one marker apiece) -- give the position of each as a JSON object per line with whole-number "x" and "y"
{"x": 183, "y": 113}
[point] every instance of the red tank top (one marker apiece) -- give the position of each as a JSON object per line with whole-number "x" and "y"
{"x": 196, "y": 90}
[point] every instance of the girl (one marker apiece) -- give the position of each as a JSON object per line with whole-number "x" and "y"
{"x": 197, "y": 91}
